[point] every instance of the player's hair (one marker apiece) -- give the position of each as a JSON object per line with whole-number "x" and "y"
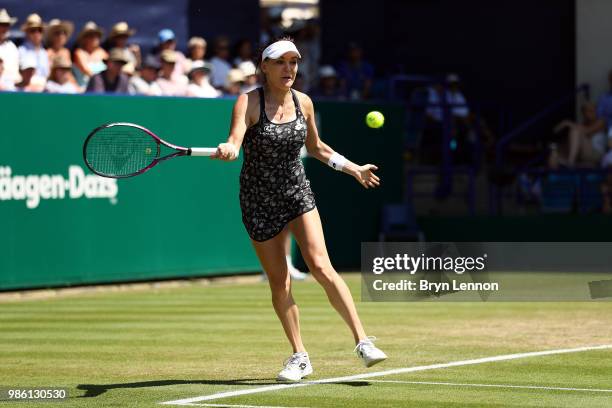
{"x": 261, "y": 50}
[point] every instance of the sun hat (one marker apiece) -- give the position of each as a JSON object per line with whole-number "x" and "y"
{"x": 5, "y": 18}
{"x": 33, "y": 21}
{"x": 56, "y": 25}
{"x": 121, "y": 28}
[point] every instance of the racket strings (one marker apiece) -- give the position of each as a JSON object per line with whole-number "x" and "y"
{"x": 121, "y": 150}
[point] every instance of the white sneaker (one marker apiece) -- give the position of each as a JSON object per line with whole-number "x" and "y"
{"x": 369, "y": 353}
{"x": 296, "y": 367}
{"x": 296, "y": 274}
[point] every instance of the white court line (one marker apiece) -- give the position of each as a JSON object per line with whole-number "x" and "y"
{"x": 279, "y": 387}
{"x": 529, "y": 387}
{"x": 234, "y": 406}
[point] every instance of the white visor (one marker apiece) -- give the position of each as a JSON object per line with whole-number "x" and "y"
{"x": 278, "y": 49}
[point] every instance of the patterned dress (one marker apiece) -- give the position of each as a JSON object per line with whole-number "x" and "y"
{"x": 273, "y": 185}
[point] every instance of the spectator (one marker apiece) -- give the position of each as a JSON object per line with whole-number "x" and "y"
{"x": 118, "y": 38}
{"x": 355, "y": 74}
{"x": 33, "y": 45}
{"x": 128, "y": 69}
{"x": 606, "y": 162}
{"x": 56, "y": 36}
{"x": 270, "y": 23}
{"x": 311, "y": 44}
{"x": 250, "y": 76}
{"x": 89, "y": 57}
{"x": 604, "y": 111}
{"x": 167, "y": 41}
{"x": 220, "y": 65}
{"x": 111, "y": 80}
{"x": 59, "y": 80}
{"x": 454, "y": 97}
{"x": 306, "y": 37}
{"x": 8, "y": 50}
{"x": 146, "y": 83}
{"x": 582, "y": 142}
{"x": 234, "y": 82}
{"x": 328, "y": 84}
{"x": 200, "y": 85}
{"x": 243, "y": 52}
{"x": 5, "y": 83}
{"x": 197, "y": 50}
{"x": 463, "y": 132}
{"x": 29, "y": 81}
{"x": 606, "y": 187}
{"x": 170, "y": 83}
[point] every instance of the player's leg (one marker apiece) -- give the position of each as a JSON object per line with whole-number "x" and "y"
{"x": 309, "y": 236}
{"x": 271, "y": 254}
{"x": 308, "y": 233}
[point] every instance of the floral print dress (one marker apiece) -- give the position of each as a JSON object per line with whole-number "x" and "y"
{"x": 273, "y": 185}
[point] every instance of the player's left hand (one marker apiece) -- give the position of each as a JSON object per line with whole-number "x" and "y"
{"x": 366, "y": 177}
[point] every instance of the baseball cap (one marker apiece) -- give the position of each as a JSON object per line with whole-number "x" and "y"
{"x": 166, "y": 35}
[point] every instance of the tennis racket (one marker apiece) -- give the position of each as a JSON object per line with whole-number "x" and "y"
{"x": 120, "y": 150}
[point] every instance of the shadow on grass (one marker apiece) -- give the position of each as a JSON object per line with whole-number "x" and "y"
{"x": 94, "y": 390}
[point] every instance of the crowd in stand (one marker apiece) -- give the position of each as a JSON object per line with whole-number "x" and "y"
{"x": 113, "y": 64}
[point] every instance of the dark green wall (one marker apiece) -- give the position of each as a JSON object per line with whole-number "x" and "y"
{"x": 182, "y": 218}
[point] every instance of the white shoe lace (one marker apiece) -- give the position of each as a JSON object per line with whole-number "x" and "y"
{"x": 366, "y": 344}
{"x": 293, "y": 361}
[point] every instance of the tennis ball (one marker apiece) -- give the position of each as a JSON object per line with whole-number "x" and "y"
{"x": 375, "y": 119}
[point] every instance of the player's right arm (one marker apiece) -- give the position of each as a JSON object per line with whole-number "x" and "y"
{"x": 240, "y": 121}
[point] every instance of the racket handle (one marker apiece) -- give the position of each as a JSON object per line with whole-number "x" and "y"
{"x": 202, "y": 151}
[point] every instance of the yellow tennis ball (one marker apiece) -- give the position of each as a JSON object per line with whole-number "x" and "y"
{"x": 375, "y": 119}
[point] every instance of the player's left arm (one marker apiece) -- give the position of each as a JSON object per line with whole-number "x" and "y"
{"x": 323, "y": 152}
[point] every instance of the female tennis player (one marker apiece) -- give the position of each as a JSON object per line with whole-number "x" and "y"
{"x": 272, "y": 123}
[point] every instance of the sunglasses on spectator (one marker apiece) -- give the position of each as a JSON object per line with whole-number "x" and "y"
{"x": 35, "y": 30}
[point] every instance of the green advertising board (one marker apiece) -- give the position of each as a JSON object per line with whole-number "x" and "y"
{"x": 60, "y": 225}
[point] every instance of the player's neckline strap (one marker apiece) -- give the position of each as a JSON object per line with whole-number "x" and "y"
{"x": 263, "y": 117}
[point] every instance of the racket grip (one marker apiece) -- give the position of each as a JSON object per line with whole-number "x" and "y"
{"x": 202, "y": 151}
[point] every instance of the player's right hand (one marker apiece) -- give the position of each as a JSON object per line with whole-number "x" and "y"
{"x": 226, "y": 152}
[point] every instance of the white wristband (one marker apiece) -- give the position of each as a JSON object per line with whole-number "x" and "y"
{"x": 337, "y": 161}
